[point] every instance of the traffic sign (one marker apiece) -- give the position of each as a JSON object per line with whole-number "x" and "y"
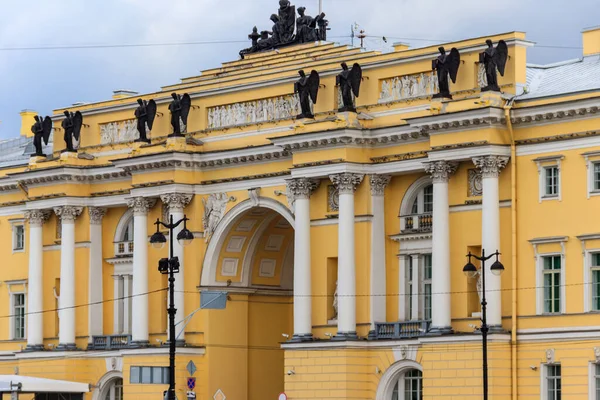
{"x": 191, "y": 368}
{"x": 191, "y": 383}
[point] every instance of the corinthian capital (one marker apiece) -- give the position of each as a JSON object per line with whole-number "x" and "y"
{"x": 37, "y": 217}
{"x": 140, "y": 205}
{"x": 440, "y": 171}
{"x": 96, "y": 215}
{"x": 176, "y": 201}
{"x": 346, "y": 183}
{"x": 378, "y": 184}
{"x": 302, "y": 188}
{"x": 68, "y": 213}
{"x": 490, "y": 166}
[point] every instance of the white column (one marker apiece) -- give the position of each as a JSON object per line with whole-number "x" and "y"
{"x": 141, "y": 206}
{"x": 35, "y": 295}
{"x": 118, "y": 304}
{"x": 490, "y": 167}
{"x": 176, "y": 203}
{"x": 378, "y": 267}
{"x": 95, "y": 310}
{"x": 416, "y": 288}
{"x": 66, "y": 328}
{"x": 300, "y": 189}
{"x": 346, "y": 184}
{"x": 440, "y": 172}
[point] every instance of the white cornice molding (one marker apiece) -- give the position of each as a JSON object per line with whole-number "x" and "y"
{"x": 549, "y": 240}
{"x": 555, "y": 113}
{"x": 468, "y": 153}
{"x": 459, "y": 121}
{"x": 558, "y": 145}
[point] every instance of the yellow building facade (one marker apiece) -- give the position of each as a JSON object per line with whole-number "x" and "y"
{"x": 340, "y": 240}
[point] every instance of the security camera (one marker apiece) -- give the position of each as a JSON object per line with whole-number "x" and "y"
{"x": 291, "y": 372}
{"x": 329, "y": 335}
{"x": 285, "y": 335}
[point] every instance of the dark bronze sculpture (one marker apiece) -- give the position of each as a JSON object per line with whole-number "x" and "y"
{"x": 180, "y": 109}
{"x": 307, "y": 88}
{"x": 72, "y": 125}
{"x": 308, "y": 29}
{"x": 349, "y": 81}
{"x": 145, "y": 114}
{"x": 494, "y": 58}
{"x": 446, "y": 64}
{"x": 41, "y": 131}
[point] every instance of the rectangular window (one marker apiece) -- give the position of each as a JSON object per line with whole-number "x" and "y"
{"x": 19, "y": 316}
{"x": 596, "y": 177}
{"x": 149, "y": 375}
{"x": 552, "y": 271}
{"x": 427, "y": 261}
{"x": 597, "y": 379}
{"x": 428, "y": 199}
{"x": 410, "y": 288}
{"x": 596, "y": 282}
{"x": 551, "y": 181}
{"x": 19, "y": 237}
{"x": 553, "y": 382}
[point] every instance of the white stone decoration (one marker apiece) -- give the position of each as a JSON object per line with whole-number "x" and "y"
{"x": 550, "y": 356}
{"x": 481, "y": 75}
{"x": 254, "y": 195}
{"x": 236, "y": 244}
{"x": 219, "y": 395}
{"x": 333, "y": 199}
{"x": 274, "y": 242}
{"x": 229, "y": 267}
{"x": 408, "y": 87}
{"x": 267, "y": 268}
{"x": 475, "y": 183}
{"x": 271, "y": 109}
{"x": 214, "y": 210}
{"x": 119, "y": 132}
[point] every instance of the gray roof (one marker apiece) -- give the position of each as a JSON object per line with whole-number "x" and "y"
{"x": 17, "y": 151}
{"x": 562, "y": 78}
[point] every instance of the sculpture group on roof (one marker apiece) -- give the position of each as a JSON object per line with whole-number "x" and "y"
{"x": 306, "y": 88}
{"x": 287, "y": 29}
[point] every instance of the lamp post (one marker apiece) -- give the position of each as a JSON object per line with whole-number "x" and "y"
{"x": 170, "y": 266}
{"x": 471, "y": 271}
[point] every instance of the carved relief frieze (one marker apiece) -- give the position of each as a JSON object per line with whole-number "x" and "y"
{"x": 333, "y": 199}
{"x": 119, "y": 132}
{"x": 281, "y": 107}
{"x": 408, "y": 87}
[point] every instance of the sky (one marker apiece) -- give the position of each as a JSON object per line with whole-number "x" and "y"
{"x": 47, "y": 79}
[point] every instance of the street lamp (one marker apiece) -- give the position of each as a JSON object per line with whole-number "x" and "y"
{"x": 170, "y": 266}
{"x": 471, "y": 271}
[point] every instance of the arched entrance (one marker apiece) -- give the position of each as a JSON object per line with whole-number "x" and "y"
{"x": 402, "y": 381}
{"x": 110, "y": 387}
{"x": 251, "y": 256}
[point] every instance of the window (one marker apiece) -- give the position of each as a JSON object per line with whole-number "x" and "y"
{"x": 552, "y": 286}
{"x": 553, "y": 382}
{"x": 19, "y": 316}
{"x": 424, "y": 201}
{"x": 427, "y": 260}
{"x": 595, "y": 282}
{"x": 409, "y": 280}
{"x": 409, "y": 386}
{"x": 115, "y": 390}
{"x": 551, "y": 179}
{"x": 149, "y": 375}
{"x": 597, "y": 380}
{"x": 596, "y": 177}
{"x": 18, "y": 237}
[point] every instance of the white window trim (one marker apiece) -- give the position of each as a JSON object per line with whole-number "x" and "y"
{"x": 591, "y": 158}
{"x": 544, "y": 379}
{"x": 548, "y": 162}
{"x": 588, "y": 279}
{"x": 11, "y": 302}
{"x": 13, "y": 225}
{"x": 539, "y": 272}
{"x": 418, "y": 289}
{"x": 122, "y": 318}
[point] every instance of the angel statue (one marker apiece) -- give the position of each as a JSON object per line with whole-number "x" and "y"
{"x": 72, "y": 125}
{"x": 446, "y": 64}
{"x": 494, "y": 58}
{"x": 145, "y": 115}
{"x": 307, "y": 88}
{"x": 41, "y": 131}
{"x": 349, "y": 82}
{"x": 180, "y": 109}
{"x": 214, "y": 210}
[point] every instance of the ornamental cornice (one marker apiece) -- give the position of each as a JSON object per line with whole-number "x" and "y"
{"x": 176, "y": 201}
{"x": 440, "y": 171}
{"x": 550, "y": 113}
{"x": 96, "y": 214}
{"x": 346, "y": 183}
{"x": 379, "y": 183}
{"x": 141, "y": 205}
{"x": 68, "y": 214}
{"x": 301, "y": 188}
{"x": 37, "y": 217}
{"x": 458, "y": 121}
{"x": 69, "y": 174}
{"x": 490, "y": 166}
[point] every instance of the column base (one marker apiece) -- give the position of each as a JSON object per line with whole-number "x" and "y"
{"x": 372, "y": 335}
{"x": 178, "y": 343}
{"x": 496, "y": 329}
{"x": 66, "y": 347}
{"x": 301, "y": 338}
{"x": 139, "y": 344}
{"x": 34, "y": 347}
{"x": 440, "y": 331}
{"x": 344, "y": 336}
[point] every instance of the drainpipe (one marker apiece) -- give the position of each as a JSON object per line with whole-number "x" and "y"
{"x": 513, "y": 219}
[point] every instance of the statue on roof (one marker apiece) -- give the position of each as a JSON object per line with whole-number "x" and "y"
{"x": 41, "y": 132}
{"x": 287, "y": 21}
{"x": 494, "y": 60}
{"x": 306, "y": 30}
{"x": 180, "y": 109}
{"x": 446, "y": 64}
{"x": 145, "y": 114}
{"x": 322, "y": 24}
{"x": 349, "y": 81}
{"x": 72, "y": 125}
{"x": 307, "y": 88}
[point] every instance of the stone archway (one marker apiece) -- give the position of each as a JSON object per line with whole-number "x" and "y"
{"x": 107, "y": 385}
{"x": 390, "y": 378}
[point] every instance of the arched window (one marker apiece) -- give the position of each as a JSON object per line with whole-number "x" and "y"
{"x": 409, "y": 386}
{"x": 128, "y": 232}
{"x": 417, "y": 207}
{"x": 423, "y": 203}
{"x": 114, "y": 391}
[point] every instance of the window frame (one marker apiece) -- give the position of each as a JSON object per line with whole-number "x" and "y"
{"x": 590, "y": 268}
{"x": 552, "y": 272}
{"x": 426, "y": 281}
{"x": 140, "y": 369}
{"x": 539, "y": 267}
{"x": 543, "y": 165}
{"x": 544, "y": 390}
{"x": 14, "y": 225}
{"x": 11, "y": 302}
{"x": 402, "y": 380}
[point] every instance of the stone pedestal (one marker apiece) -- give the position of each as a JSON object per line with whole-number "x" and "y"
{"x": 176, "y": 143}
{"x": 36, "y": 159}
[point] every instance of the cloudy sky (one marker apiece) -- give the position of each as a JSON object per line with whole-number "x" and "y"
{"x": 45, "y": 79}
